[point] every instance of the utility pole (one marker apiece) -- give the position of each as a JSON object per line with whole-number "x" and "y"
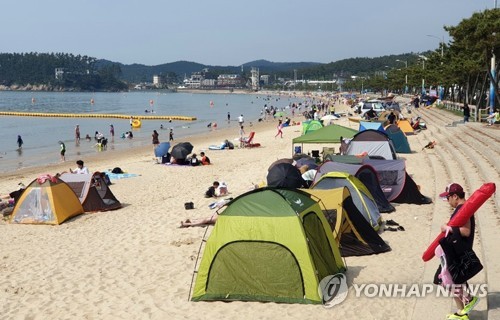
{"x": 492, "y": 82}
{"x": 441, "y": 44}
{"x": 423, "y": 71}
{"x": 406, "y": 73}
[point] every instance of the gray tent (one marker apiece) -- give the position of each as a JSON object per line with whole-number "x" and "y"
{"x": 374, "y": 143}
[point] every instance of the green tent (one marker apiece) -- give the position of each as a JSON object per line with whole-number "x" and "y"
{"x": 268, "y": 245}
{"x": 328, "y": 134}
{"x": 311, "y": 126}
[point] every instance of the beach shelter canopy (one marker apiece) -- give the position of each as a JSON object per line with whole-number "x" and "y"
{"x": 268, "y": 245}
{"x": 350, "y": 229}
{"x": 398, "y": 138}
{"x": 361, "y": 196}
{"x": 46, "y": 200}
{"x": 373, "y": 142}
{"x": 92, "y": 191}
{"x": 311, "y": 126}
{"x": 365, "y": 125}
{"x": 328, "y": 134}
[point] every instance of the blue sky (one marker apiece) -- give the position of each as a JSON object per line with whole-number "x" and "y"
{"x": 229, "y": 32}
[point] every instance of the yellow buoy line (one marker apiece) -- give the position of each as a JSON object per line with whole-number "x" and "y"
{"x": 94, "y": 115}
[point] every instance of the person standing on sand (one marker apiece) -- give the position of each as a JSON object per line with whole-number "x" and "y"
{"x": 20, "y": 141}
{"x": 462, "y": 237}
{"x": 156, "y": 140}
{"x": 466, "y": 112}
{"x": 280, "y": 131}
{"x": 77, "y": 133}
{"x": 62, "y": 151}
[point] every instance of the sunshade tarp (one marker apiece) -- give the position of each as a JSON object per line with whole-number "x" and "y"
{"x": 328, "y": 134}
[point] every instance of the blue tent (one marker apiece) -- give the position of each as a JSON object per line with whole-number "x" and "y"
{"x": 398, "y": 138}
{"x": 365, "y": 125}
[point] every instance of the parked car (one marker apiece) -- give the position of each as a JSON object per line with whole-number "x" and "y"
{"x": 363, "y": 107}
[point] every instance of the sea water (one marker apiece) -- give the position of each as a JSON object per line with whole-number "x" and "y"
{"x": 41, "y": 134}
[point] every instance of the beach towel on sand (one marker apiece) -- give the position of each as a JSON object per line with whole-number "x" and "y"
{"x": 116, "y": 176}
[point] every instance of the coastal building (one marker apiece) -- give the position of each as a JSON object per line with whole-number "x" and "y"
{"x": 158, "y": 80}
{"x": 201, "y": 80}
{"x": 264, "y": 79}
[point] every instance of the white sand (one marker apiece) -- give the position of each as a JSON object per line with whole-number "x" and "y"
{"x": 135, "y": 263}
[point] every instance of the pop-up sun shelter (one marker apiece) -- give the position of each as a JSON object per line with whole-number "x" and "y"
{"x": 352, "y": 232}
{"x": 311, "y": 126}
{"x": 398, "y": 138}
{"x": 268, "y": 245}
{"x": 92, "y": 191}
{"x": 46, "y": 200}
{"x": 395, "y": 182}
{"x": 374, "y": 143}
{"x": 366, "y": 174}
{"x": 405, "y": 126}
{"x": 360, "y": 194}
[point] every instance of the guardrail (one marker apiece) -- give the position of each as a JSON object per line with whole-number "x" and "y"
{"x": 478, "y": 115}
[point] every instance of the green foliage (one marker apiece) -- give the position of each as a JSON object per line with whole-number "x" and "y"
{"x": 80, "y": 72}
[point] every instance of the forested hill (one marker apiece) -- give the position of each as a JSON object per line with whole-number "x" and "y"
{"x": 135, "y": 73}
{"x": 176, "y": 71}
{"x": 88, "y": 73}
{"x": 76, "y": 72}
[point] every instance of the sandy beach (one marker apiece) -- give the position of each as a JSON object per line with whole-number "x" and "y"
{"x": 136, "y": 263}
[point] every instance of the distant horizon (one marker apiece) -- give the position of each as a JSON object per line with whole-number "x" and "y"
{"x": 228, "y": 33}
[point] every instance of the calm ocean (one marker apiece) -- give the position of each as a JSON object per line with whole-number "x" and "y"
{"x": 41, "y": 135}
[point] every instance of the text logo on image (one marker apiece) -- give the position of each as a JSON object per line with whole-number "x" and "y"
{"x": 333, "y": 289}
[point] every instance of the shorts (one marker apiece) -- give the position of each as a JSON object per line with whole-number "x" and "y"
{"x": 63, "y": 152}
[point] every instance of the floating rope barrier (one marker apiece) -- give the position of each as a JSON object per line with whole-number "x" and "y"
{"x": 94, "y": 115}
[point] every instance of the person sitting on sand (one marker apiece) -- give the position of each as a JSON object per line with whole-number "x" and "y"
{"x": 193, "y": 161}
{"x": 210, "y": 193}
{"x": 204, "y": 159}
{"x": 199, "y": 222}
{"x": 6, "y": 207}
{"x": 81, "y": 169}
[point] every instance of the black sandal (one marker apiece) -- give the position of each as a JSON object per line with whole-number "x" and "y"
{"x": 391, "y": 223}
{"x": 390, "y": 229}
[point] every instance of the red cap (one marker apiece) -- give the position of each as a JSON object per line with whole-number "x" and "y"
{"x": 453, "y": 188}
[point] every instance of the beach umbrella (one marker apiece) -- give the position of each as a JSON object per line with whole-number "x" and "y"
{"x": 284, "y": 160}
{"x": 285, "y": 175}
{"x": 329, "y": 117}
{"x": 181, "y": 150}
{"x": 162, "y": 149}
